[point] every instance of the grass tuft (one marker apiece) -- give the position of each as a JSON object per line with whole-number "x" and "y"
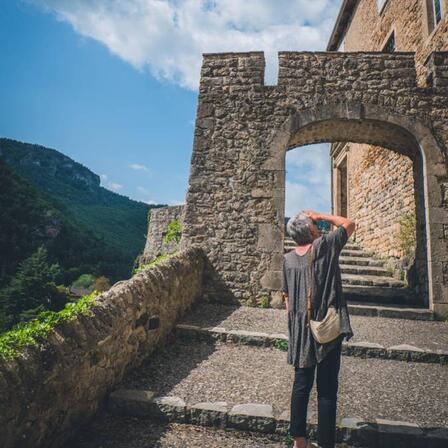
{"x": 152, "y": 263}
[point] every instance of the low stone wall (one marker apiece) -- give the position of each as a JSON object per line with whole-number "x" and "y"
{"x": 55, "y": 387}
{"x": 158, "y": 223}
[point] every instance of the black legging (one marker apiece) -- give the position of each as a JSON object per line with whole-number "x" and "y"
{"x": 327, "y": 388}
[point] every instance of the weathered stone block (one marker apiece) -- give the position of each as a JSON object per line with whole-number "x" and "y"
{"x": 169, "y": 408}
{"x": 252, "y": 417}
{"x": 209, "y": 414}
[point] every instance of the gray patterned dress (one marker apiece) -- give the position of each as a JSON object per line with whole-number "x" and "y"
{"x": 303, "y": 350}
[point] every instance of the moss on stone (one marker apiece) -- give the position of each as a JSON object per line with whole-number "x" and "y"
{"x": 154, "y": 262}
{"x": 27, "y": 333}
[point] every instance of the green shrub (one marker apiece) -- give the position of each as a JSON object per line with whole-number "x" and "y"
{"x": 173, "y": 232}
{"x": 281, "y": 344}
{"x": 84, "y": 281}
{"x": 407, "y": 233}
{"x": 263, "y": 302}
{"x": 28, "y": 333}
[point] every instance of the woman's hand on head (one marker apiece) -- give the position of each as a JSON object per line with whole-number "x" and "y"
{"x": 312, "y": 214}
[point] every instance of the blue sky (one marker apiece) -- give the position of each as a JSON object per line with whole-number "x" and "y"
{"x": 113, "y": 83}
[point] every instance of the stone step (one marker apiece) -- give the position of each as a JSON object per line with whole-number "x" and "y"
{"x": 355, "y": 253}
{"x": 247, "y": 425}
{"x": 248, "y": 388}
{"x": 360, "y": 261}
{"x": 387, "y": 332}
{"x": 364, "y": 270}
{"x": 371, "y": 280}
{"x": 384, "y": 295}
{"x": 390, "y": 311}
{"x": 110, "y": 431}
{"x": 403, "y": 352}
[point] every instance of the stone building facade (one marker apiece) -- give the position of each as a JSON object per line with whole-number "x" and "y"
{"x": 236, "y": 195}
{"x": 371, "y": 184}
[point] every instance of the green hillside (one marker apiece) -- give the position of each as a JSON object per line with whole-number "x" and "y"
{"x": 101, "y": 221}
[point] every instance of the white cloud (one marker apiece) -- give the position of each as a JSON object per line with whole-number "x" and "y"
{"x": 106, "y": 183}
{"x": 138, "y": 167}
{"x": 168, "y": 37}
{"x": 114, "y": 186}
{"x": 310, "y": 163}
{"x": 308, "y": 179}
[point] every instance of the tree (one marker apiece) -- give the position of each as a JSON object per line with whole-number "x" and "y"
{"x": 32, "y": 289}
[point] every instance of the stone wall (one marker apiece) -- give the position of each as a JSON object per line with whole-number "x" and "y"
{"x": 381, "y": 184}
{"x": 64, "y": 380}
{"x": 158, "y": 223}
{"x": 380, "y": 193}
{"x": 235, "y": 199}
{"x": 369, "y": 30}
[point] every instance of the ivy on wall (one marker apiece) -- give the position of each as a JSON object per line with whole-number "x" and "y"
{"x": 407, "y": 234}
{"x": 173, "y": 232}
{"x": 27, "y": 334}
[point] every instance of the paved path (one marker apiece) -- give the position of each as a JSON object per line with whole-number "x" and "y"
{"x": 406, "y": 399}
{"x": 200, "y": 371}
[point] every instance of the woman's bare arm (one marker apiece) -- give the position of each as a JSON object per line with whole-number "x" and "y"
{"x": 336, "y": 220}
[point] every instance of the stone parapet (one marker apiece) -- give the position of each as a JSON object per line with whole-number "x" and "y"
{"x": 53, "y": 388}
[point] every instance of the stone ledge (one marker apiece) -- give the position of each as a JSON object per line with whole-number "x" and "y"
{"x": 388, "y": 311}
{"x": 358, "y": 349}
{"x": 259, "y": 417}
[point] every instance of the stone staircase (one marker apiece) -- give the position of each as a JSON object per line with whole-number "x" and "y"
{"x": 221, "y": 380}
{"x": 364, "y": 278}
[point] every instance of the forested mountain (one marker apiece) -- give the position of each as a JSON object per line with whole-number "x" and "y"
{"x": 46, "y": 197}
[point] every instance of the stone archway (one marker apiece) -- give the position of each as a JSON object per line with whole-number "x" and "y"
{"x": 330, "y": 125}
{"x": 235, "y": 200}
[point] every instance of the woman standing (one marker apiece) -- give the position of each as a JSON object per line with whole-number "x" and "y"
{"x": 304, "y": 352}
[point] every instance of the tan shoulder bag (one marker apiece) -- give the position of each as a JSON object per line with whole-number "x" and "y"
{"x": 328, "y": 329}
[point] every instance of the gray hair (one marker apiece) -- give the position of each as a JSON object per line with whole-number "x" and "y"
{"x": 299, "y": 229}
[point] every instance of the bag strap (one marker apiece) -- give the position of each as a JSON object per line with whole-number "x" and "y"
{"x": 310, "y": 288}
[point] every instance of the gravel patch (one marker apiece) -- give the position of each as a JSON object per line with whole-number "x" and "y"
{"x": 369, "y": 388}
{"x": 207, "y": 372}
{"x": 385, "y": 331}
